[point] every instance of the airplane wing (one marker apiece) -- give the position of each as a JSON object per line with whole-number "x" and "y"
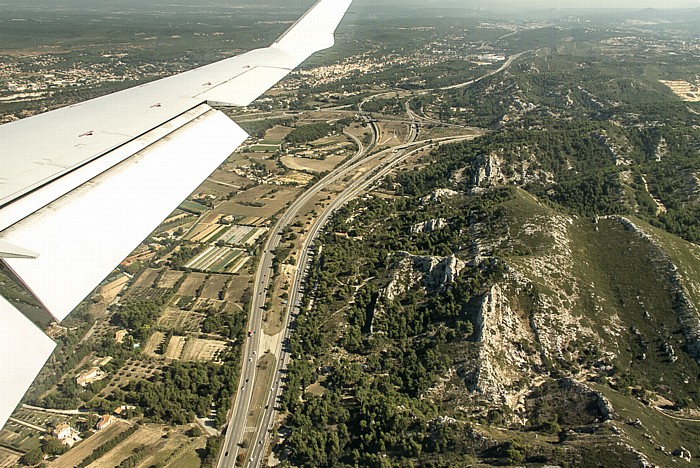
{"x": 82, "y": 186}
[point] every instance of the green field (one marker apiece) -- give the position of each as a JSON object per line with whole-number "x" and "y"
{"x": 193, "y": 207}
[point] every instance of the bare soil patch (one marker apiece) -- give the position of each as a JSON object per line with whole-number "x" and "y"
{"x": 300, "y": 163}
{"x": 263, "y": 200}
{"x": 110, "y": 290}
{"x": 175, "y": 347}
{"x": 180, "y": 320}
{"x": 214, "y": 286}
{"x": 192, "y": 284}
{"x": 153, "y": 343}
{"x": 295, "y": 177}
{"x": 202, "y": 350}
{"x": 237, "y": 287}
{"x": 169, "y": 279}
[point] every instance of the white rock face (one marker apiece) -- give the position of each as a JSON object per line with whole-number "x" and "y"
{"x": 428, "y": 226}
{"x": 439, "y": 195}
{"x": 489, "y": 173}
{"x": 412, "y": 270}
{"x": 501, "y": 361}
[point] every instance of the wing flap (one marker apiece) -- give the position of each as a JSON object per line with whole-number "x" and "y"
{"x": 24, "y": 349}
{"x": 81, "y": 236}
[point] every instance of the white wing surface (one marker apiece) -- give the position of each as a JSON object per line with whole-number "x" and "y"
{"x": 82, "y": 186}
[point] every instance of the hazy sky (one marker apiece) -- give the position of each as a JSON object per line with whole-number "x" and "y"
{"x": 626, "y": 4}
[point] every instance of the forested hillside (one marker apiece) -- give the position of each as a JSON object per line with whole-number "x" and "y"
{"x": 528, "y": 297}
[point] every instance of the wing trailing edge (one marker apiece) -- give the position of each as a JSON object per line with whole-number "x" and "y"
{"x": 24, "y": 349}
{"x": 83, "y": 235}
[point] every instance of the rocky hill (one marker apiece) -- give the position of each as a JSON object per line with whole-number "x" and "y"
{"x": 527, "y": 298}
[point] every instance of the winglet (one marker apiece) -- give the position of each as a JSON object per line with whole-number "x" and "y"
{"x": 313, "y": 31}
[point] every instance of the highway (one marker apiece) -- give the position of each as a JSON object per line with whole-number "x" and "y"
{"x": 419, "y": 118}
{"x": 392, "y": 159}
{"x": 237, "y": 426}
{"x": 252, "y": 349}
{"x": 263, "y": 276}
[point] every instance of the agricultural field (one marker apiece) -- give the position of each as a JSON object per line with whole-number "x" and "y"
{"x": 262, "y": 200}
{"x": 144, "y": 286}
{"x": 20, "y": 437}
{"x": 331, "y": 143}
{"x": 253, "y": 221}
{"x": 185, "y": 348}
{"x": 40, "y": 418}
{"x": 9, "y": 458}
{"x": 169, "y": 279}
{"x": 237, "y": 287}
{"x": 210, "y": 218}
{"x": 264, "y": 147}
{"x": 175, "y": 347}
{"x": 193, "y": 207}
{"x": 110, "y": 290}
{"x": 145, "y": 437}
{"x": 277, "y": 133}
{"x": 176, "y": 450}
{"x": 214, "y": 286}
{"x": 687, "y": 91}
{"x": 153, "y": 344}
{"x": 205, "y": 232}
{"x": 225, "y": 180}
{"x": 315, "y": 165}
{"x": 133, "y": 370}
{"x": 197, "y": 349}
{"x": 83, "y": 450}
{"x": 242, "y": 235}
{"x": 218, "y": 260}
{"x": 192, "y": 285}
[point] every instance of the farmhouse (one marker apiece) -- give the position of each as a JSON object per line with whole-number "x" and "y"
{"x": 91, "y": 375}
{"x": 66, "y": 434}
{"x": 104, "y": 422}
{"x": 119, "y": 336}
